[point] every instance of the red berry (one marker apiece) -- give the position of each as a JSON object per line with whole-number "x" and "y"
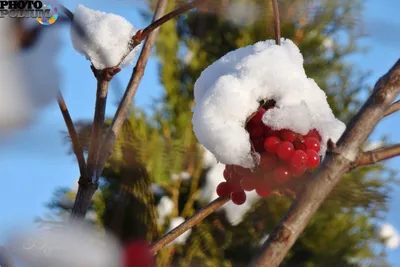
{"x": 314, "y": 133}
{"x": 285, "y": 150}
{"x": 238, "y": 197}
{"x": 313, "y": 158}
{"x": 223, "y": 189}
{"x": 263, "y": 190}
{"x": 299, "y": 145}
{"x": 248, "y": 183}
{"x": 138, "y": 254}
{"x": 269, "y": 132}
{"x": 226, "y": 174}
{"x": 288, "y": 135}
{"x": 234, "y": 183}
{"x": 255, "y": 129}
{"x": 258, "y": 144}
{"x": 282, "y": 174}
{"x": 299, "y": 159}
{"x": 312, "y": 143}
{"x": 240, "y": 170}
{"x": 271, "y": 143}
{"x": 258, "y": 117}
{"x": 297, "y": 172}
{"x": 268, "y": 160}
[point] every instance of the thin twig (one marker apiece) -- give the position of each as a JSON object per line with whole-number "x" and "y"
{"x": 142, "y": 34}
{"x": 126, "y": 102}
{"x": 335, "y": 165}
{"x": 188, "y": 224}
{"x": 277, "y": 26}
{"x": 374, "y": 156}
{"x": 393, "y": 108}
{"x": 76, "y": 146}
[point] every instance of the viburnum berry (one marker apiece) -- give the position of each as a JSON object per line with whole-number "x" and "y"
{"x": 263, "y": 190}
{"x": 314, "y": 133}
{"x": 288, "y": 135}
{"x": 255, "y": 129}
{"x": 238, "y": 197}
{"x": 271, "y": 144}
{"x": 138, "y": 254}
{"x": 313, "y": 158}
{"x": 258, "y": 144}
{"x": 248, "y": 183}
{"x": 257, "y": 118}
{"x": 282, "y": 174}
{"x": 268, "y": 160}
{"x": 226, "y": 174}
{"x": 297, "y": 171}
{"x": 298, "y": 145}
{"x": 234, "y": 183}
{"x": 312, "y": 143}
{"x": 299, "y": 159}
{"x": 269, "y": 132}
{"x": 285, "y": 150}
{"x": 223, "y": 189}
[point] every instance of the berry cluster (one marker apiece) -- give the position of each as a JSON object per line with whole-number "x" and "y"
{"x": 284, "y": 155}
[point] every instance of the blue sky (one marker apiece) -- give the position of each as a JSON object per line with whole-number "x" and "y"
{"x": 34, "y": 161}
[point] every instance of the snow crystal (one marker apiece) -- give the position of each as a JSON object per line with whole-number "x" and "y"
{"x": 164, "y": 208}
{"x": 392, "y": 237}
{"x": 107, "y": 37}
{"x": 20, "y": 99}
{"x": 229, "y": 91}
{"x": 234, "y": 213}
{"x": 182, "y": 238}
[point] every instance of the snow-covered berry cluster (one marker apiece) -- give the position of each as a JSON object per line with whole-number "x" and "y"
{"x": 276, "y": 146}
{"x": 284, "y": 154}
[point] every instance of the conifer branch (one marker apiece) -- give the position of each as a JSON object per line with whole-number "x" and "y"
{"x": 374, "y": 156}
{"x": 188, "y": 224}
{"x": 337, "y": 162}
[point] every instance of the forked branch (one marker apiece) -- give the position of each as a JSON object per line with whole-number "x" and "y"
{"x": 393, "y": 108}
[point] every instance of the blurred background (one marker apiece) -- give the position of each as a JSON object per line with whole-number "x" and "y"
{"x": 159, "y": 175}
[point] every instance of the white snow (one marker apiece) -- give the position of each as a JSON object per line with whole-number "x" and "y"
{"x": 182, "y": 176}
{"x": 164, "y": 209}
{"x": 228, "y": 91}
{"x": 234, "y": 213}
{"x": 109, "y": 35}
{"x": 30, "y": 78}
{"x": 209, "y": 159}
{"x": 63, "y": 247}
{"x": 182, "y": 238}
{"x": 388, "y": 232}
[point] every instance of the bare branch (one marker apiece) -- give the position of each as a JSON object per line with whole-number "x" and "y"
{"x": 126, "y": 102}
{"x": 188, "y": 224}
{"x": 76, "y": 146}
{"x": 142, "y": 34}
{"x": 393, "y": 108}
{"x": 277, "y": 26}
{"x": 335, "y": 165}
{"x": 374, "y": 156}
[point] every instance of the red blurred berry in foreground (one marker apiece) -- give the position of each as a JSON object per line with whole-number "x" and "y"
{"x": 138, "y": 254}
